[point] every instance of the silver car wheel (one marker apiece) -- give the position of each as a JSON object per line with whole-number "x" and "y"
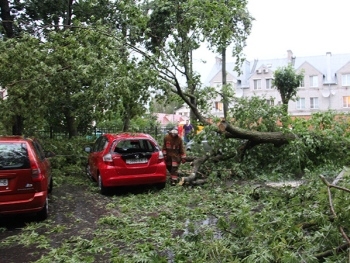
{"x": 103, "y": 190}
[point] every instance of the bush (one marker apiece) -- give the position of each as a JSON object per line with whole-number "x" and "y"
{"x": 70, "y": 158}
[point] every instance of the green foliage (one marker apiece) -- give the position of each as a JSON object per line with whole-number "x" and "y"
{"x": 324, "y": 138}
{"x": 78, "y": 75}
{"x": 176, "y": 28}
{"x": 70, "y": 158}
{"x": 88, "y": 73}
{"x": 165, "y": 103}
{"x": 22, "y": 94}
{"x": 245, "y": 221}
{"x": 286, "y": 81}
{"x": 321, "y": 141}
{"x": 255, "y": 114}
{"x": 225, "y": 23}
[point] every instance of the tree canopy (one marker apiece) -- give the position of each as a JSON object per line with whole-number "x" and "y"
{"x": 287, "y": 81}
{"x": 73, "y": 72}
{"x": 67, "y": 65}
{"x": 88, "y": 47}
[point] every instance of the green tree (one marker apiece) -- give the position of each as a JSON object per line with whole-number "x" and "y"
{"x": 234, "y": 20}
{"x": 60, "y": 80}
{"x": 81, "y": 68}
{"x": 9, "y": 32}
{"x": 84, "y": 62}
{"x": 176, "y": 28}
{"x": 286, "y": 81}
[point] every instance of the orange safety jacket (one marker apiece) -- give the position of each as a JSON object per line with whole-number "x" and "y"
{"x": 173, "y": 148}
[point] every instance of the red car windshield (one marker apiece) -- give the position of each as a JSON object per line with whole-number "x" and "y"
{"x": 134, "y": 145}
{"x": 14, "y": 156}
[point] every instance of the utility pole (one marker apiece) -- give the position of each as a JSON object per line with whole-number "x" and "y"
{"x": 224, "y": 80}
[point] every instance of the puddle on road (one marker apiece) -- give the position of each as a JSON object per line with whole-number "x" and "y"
{"x": 194, "y": 228}
{"x": 73, "y": 208}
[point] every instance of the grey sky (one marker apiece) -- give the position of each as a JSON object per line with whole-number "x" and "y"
{"x": 307, "y": 27}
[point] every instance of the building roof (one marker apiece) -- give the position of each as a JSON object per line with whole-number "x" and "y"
{"x": 327, "y": 64}
{"x": 164, "y": 119}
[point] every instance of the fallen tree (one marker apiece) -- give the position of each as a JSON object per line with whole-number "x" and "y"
{"x": 250, "y": 138}
{"x": 321, "y": 139}
{"x": 255, "y": 137}
{"x": 343, "y": 247}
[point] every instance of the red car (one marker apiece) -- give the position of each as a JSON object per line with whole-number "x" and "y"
{"x": 126, "y": 159}
{"x": 25, "y": 176}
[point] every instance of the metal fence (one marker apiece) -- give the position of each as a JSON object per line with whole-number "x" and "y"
{"x": 156, "y": 132}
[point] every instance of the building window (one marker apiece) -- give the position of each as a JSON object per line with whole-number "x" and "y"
{"x": 345, "y": 80}
{"x": 300, "y": 103}
{"x": 268, "y": 83}
{"x": 346, "y": 102}
{"x": 302, "y": 83}
{"x": 257, "y": 83}
{"x": 314, "y": 81}
{"x": 218, "y": 85}
{"x": 219, "y": 106}
{"x": 270, "y": 102}
{"x": 314, "y": 103}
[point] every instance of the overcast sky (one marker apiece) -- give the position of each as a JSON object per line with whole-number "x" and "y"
{"x": 306, "y": 27}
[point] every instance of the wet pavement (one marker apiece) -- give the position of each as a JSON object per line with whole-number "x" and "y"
{"x": 73, "y": 211}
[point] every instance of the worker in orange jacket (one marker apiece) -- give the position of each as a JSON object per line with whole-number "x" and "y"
{"x": 180, "y": 129}
{"x": 174, "y": 154}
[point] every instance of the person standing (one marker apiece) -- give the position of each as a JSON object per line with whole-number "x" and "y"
{"x": 180, "y": 130}
{"x": 174, "y": 154}
{"x": 188, "y": 128}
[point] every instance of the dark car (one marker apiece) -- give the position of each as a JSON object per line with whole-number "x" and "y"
{"x": 192, "y": 145}
{"x": 199, "y": 143}
{"x": 126, "y": 159}
{"x": 25, "y": 176}
{"x": 205, "y": 142}
{"x": 94, "y": 135}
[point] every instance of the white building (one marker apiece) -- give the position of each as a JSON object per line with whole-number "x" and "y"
{"x": 183, "y": 111}
{"x": 326, "y": 82}
{"x": 3, "y": 93}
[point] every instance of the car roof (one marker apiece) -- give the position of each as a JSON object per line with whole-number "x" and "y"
{"x": 12, "y": 138}
{"x": 128, "y": 135}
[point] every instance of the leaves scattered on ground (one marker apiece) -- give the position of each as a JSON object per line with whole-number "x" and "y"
{"x": 232, "y": 221}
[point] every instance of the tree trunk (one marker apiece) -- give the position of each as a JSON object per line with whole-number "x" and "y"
{"x": 224, "y": 82}
{"x": 69, "y": 13}
{"x": 17, "y": 128}
{"x": 193, "y": 177}
{"x": 7, "y": 20}
{"x": 252, "y": 138}
{"x": 126, "y": 123}
{"x": 256, "y": 137}
{"x": 71, "y": 125}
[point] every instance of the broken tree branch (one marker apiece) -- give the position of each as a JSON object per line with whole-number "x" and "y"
{"x": 256, "y": 137}
{"x": 330, "y": 199}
